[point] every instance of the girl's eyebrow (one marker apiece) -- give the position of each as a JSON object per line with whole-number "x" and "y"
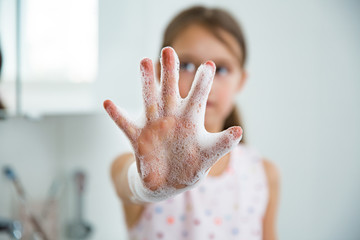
{"x": 187, "y": 57}
{"x": 222, "y": 61}
{"x": 218, "y": 61}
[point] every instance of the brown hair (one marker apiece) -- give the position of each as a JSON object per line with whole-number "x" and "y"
{"x": 2, "y": 106}
{"x": 214, "y": 19}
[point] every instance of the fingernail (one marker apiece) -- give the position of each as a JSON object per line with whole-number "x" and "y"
{"x": 211, "y": 63}
{"x": 145, "y": 64}
{"x": 166, "y": 56}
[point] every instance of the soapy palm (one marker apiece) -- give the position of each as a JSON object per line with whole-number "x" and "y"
{"x": 173, "y": 149}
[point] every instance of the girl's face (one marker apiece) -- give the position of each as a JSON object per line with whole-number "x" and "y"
{"x": 194, "y": 46}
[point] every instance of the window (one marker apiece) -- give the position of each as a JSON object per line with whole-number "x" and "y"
{"x": 58, "y": 54}
{"x": 59, "y": 40}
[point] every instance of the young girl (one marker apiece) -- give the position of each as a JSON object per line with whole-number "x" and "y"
{"x": 189, "y": 177}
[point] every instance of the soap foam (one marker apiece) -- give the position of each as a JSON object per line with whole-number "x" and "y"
{"x": 186, "y": 153}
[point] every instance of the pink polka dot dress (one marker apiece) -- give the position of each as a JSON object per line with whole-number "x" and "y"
{"x": 229, "y": 206}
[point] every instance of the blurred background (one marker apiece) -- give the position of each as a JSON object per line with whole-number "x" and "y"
{"x": 62, "y": 58}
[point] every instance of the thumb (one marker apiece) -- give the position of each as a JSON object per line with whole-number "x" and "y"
{"x": 224, "y": 142}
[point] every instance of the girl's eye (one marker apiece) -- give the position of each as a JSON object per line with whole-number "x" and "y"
{"x": 187, "y": 66}
{"x": 221, "y": 70}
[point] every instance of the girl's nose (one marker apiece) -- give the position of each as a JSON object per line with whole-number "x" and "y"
{"x": 212, "y": 90}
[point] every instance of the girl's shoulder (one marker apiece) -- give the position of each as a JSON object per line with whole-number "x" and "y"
{"x": 272, "y": 174}
{"x": 247, "y": 152}
{"x": 252, "y": 155}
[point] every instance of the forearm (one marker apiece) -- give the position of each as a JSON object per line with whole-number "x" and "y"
{"x": 119, "y": 175}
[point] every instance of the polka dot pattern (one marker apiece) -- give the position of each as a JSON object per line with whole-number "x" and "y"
{"x": 159, "y": 235}
{"x": 235, "y": 231}
{"x": 184, "y": 233}
{"x": 170, "y": 220}
{"x": 231, "y": 206}
{"x": 218, "y": 221}
{"x": 158, "y": 209}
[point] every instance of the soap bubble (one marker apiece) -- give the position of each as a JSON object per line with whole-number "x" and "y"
{"x": 173, "y": 150}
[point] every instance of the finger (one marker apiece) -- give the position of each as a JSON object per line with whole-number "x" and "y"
{"x": 130, "y": 130}
{"x": 169, "y": 79}
{"x": 199, "y": 92}
{"x": 149, "y": 89}
{"x": 224, "y": 142}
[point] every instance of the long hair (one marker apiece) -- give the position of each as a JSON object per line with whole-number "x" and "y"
{"x": 2, "y": 106}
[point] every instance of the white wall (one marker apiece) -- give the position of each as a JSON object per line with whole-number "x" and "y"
{"x": 301, "y": 102}
{"x": 300, "y": 105}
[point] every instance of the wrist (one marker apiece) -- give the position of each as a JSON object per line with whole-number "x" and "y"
{"x": 135, "y": 185}
{"x": 139, "y": 194}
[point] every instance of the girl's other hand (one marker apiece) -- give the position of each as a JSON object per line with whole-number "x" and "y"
{"x": 173, "y": 150}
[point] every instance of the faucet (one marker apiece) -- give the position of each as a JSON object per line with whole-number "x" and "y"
{"x": 11, "y": 227}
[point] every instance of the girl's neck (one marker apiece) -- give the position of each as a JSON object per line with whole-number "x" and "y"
{"x": 214, "y": 127}
{"x": 220, "y": 166}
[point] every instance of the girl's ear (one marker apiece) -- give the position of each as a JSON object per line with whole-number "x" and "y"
{"x": 243, "y": 79}
{"x": 158, "y": 70}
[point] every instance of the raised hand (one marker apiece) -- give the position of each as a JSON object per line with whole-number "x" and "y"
{"x": 173, "y": 150}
